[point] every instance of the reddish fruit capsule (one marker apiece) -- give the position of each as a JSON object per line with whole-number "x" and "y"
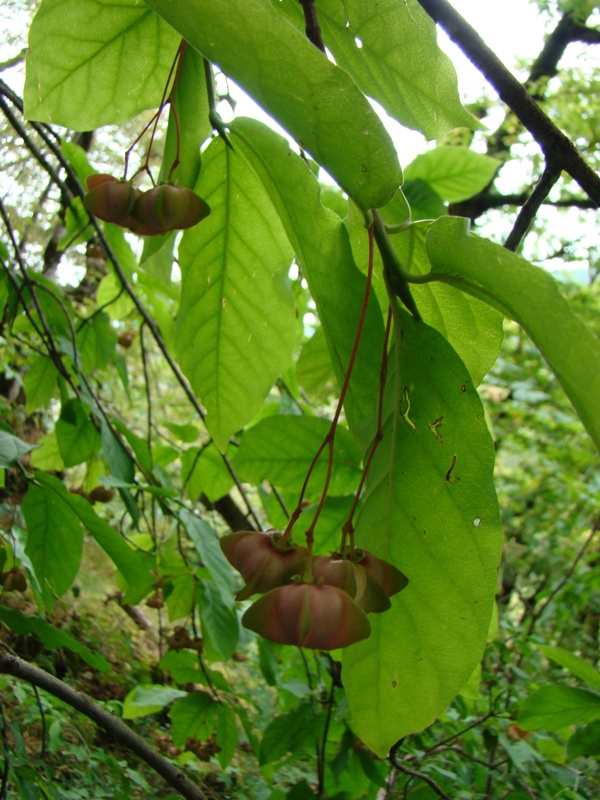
{"x": 353, "y": 579}
{"x": 387, "y": 576}
{"x": 262, "y": 559}
{"x": 308, "y": 615}
{"x": 167, "y": 208}
{"x": 14, "y": 580}
{"x": 109, "y": 199}
{"x": 101, "y": 494}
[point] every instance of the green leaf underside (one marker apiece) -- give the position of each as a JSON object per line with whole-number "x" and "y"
{"x": 530, "y": 296}
{"x": 50, "y": 636}
{"x": 431, "y": 510}
{"x": 93, "y": 63}
{"x": 317, "y": 102}
{"x": 54, "y": 541}
{"x": 150, "y": 699}
{"x": 322, "y": 247}
{"x": 281, "y": 449}
{"x": 236, "y": 324}
{"x": 11, "y": 448}
{"x": 390, "y": 49}
{"x": 555, "y": 707}
{"x": 455, "y": 173}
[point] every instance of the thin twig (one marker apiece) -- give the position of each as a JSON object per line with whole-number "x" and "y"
{"x": 531, "y": 206}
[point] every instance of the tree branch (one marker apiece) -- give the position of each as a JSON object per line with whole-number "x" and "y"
{"x": 12, "y": 665}
{"x": 558, "y": 149}
{"x": 531, "y": 207}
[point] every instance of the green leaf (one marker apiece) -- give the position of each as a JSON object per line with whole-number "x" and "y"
{"x": 317, "y": 102}
{"x": 424, "y": 202}
{"x": 322, "y": 247}
{"x": 530, "y": 296}
{"x": 77, "y": 436}
{"x": 205, "y": 540}
{"x": 471, "y": 326}
{"x": 50, "y": 636}
{"x": 575, "y": 664}
{"x": 47, "y": 456}
{"x": 281, "y": 449}
{"x": 193, "y": 717}
{"x": 227, "y": 735}
{"x": 184, "y": 666}
{"x": 219, "y": 621}
{"x": 205, "y": 472}
{"x": 314, "y": 371}
{"x": 96, "y": 341}
{"x": 134, "y": 565}
{"x": 390, "y": 49}
{"x": 144, "y": 700}
{"x": 584, "y": 742}
{"x": 285, "y": 733}
{"x": 11, "y": 448}
{"x": 431, "y": 510}
{"x": 455, "y": 173}
{"x": 555, "y": 707}
{"x": 39, "y": 381}
{"x": 93, "y": 63}
{"x": 54, "y": 539}
{"x": 236, "y": 324}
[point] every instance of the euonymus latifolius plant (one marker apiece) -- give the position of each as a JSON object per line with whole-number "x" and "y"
{"x": 375, "y": 529}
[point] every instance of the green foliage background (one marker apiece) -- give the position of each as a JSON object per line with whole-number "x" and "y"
{"x": 192, "y": 379}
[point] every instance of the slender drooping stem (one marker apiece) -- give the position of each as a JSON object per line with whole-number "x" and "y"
{"x": 329, "y": 439}
{"x": 348, "y": 526}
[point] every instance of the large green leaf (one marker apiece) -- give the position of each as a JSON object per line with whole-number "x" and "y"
{"x": 281, "y": 449}
{"x": 77, "y": 436}
{"x": 455, "y": 173}
{"x": 39, "y": 381}
{"x": 529, "y": 295}
{"x": 95, "y": 62}
{"x": 134, "y": 565}
{"x": 12, "y": 448}
{"x": 390, "y": 49}
{"x": 236, "y": 325}
{"x": 555, "y": 707}
{"x": 431, "y": 510}
{"x": 322, "y": 247}
{"x": 471, "y": 326}
{"x": 205, "y": 540}
{"x": 316, "y": 101}
{"x": 54, "y": 540}
{"x": 575, "y": 664}
{"x": 193, "y": 717}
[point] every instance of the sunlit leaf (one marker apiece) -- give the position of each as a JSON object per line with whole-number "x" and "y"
{"x": 455, "y": 173}
{"x": 529, "y": 295}
{"x": 316, "y": 101}
{"x": 236, "y": 323}
{"x": 91, "y": 63}
{"x": 431, "y": 510}
{"x": 555, "y": 707}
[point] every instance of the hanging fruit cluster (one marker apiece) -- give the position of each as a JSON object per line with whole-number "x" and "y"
{"x": 160, "y": 210}
{"x": 311, "y": 600}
